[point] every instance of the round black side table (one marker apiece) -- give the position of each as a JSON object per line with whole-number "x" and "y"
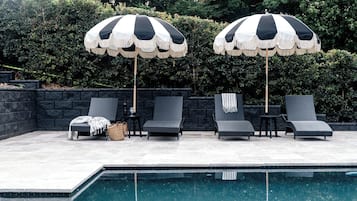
{"x": 268, "y": 120}
{"x": 135, "y": 122}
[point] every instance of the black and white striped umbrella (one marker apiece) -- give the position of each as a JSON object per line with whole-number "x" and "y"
{"x": 266, "y": 34}
{"x": 133, "y": 35}
{"x": 282, "y": 34}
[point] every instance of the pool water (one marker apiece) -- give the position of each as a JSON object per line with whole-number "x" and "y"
{"x": 209, "y": 186}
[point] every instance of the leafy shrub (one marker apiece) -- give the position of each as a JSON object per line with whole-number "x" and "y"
{"x": 46, "y": 38}
{"x": 334, "y": 20}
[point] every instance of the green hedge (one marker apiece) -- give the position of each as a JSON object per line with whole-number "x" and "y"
{"x": 46, "y": 38}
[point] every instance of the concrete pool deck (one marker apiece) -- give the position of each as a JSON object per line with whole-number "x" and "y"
{"x": 45, "y": 161}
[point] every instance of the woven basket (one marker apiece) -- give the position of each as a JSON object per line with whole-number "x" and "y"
{"x": 125, "y": 127}
{"x": 116, "y": 131}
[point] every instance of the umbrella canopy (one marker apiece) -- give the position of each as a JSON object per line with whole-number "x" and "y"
{"x": 133, "y": 35}
{"x": 266, "y": 34}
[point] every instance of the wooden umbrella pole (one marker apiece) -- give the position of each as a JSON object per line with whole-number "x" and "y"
{"x": 135, "y": 72}
{"x": 266, "y": 82}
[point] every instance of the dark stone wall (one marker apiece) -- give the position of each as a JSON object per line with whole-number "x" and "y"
{"x": 56, "y": 108}
{"x": 198, "y": 114}
{"x": 6, "y": 76}
{"x": 344, "y": 126}
{"x": 27, "y": 84}
{"x": 17, "y": 112}
{"x": 25, "y": 110}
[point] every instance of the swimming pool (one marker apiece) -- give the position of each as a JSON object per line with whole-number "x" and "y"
{"x": 218, "y": 184}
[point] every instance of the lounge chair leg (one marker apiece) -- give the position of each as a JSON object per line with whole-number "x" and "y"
{"x": 266, "y": 127}
{"x": 325, "y": 137}
{"x": 260, "y": 127}
{"x": 70, "y": 137}
{"x": 276, "y": 127}
{"x": 294, "y": 137}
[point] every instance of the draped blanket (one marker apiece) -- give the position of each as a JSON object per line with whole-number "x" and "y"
{"x": 229, "y": 102}
{"x": 96, "y": 124}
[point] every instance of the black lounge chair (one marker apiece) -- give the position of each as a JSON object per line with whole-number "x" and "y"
{"x": 301, "y": 117}
{"x": 167, "y": 117}
{"x": 231, "y": 124}
{"x": 99, "y": 107}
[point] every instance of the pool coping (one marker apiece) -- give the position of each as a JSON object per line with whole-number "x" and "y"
{"x": 97, "y": 168}
{"x": 112, "y": 169}
{"x": 185, "y": 168}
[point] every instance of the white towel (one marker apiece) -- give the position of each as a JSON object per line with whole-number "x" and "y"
{"x": 229, "y": 102}
{"x": 96, "y": 124}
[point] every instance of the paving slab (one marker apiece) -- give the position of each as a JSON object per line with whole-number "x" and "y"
{"x": 45, "y": 161}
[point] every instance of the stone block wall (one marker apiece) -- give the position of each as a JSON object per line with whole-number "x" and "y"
{"x": 6, "y": 76}
{"x": 17, "y": 112}
{"x": 344, "y": 126}
{"x": 27, "y": 84}
{"x": 56, "y": 108}
{"x": 25, "y": 110}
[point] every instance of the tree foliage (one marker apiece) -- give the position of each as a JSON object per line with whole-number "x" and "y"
{"x": 46, "y": 37}
{"x": 333, "y": 20}
{"x": 219, "y": 10}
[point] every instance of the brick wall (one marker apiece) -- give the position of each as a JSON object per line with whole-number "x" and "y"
{"x": 17, "y": 112}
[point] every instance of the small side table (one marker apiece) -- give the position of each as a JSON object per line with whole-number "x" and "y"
{"x": 135, "y": 120}
{"x": 268, "y": 120}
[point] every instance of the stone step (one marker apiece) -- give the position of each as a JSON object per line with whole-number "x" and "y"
{"x": 27, "y": 84}
{"x": 6, "y": 76}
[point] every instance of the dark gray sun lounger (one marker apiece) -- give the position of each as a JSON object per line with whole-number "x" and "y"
{"x": 99, "y": 107}
{"x": 167, "y": 117}
{"x": 231, "y": 124}
{"x": 301, "y": 117}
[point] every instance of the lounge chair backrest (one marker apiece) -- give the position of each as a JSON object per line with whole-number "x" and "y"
{"x": 168, "y": 108}
{"x": 221, "y": 115}
{"x": 103, "y": 107}
{"x": 300, "y": 107}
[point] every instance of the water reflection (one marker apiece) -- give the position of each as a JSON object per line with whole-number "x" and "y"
{"x": 213, "y": 185}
